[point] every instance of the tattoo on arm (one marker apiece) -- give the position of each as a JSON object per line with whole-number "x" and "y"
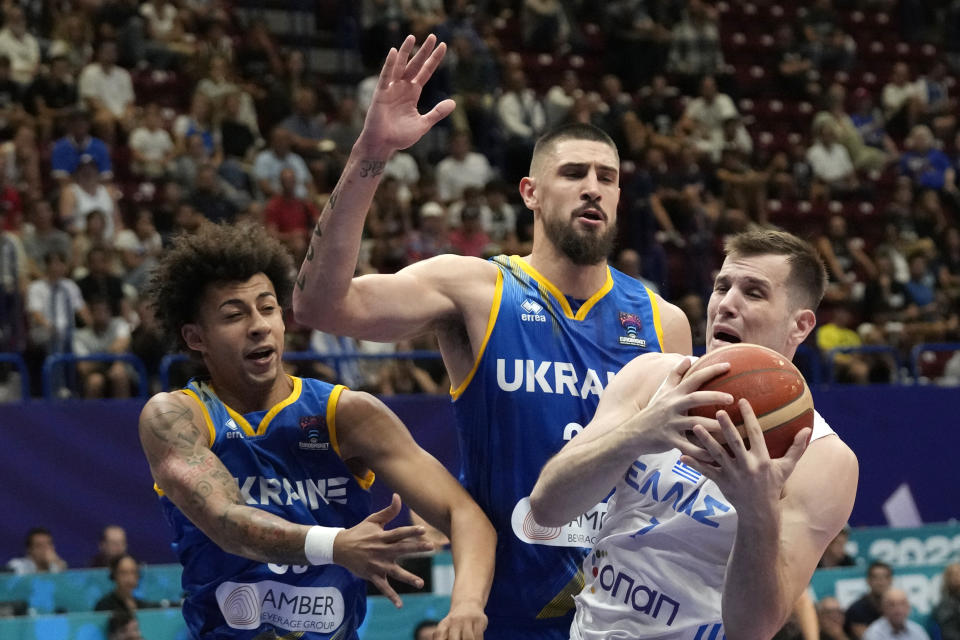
{"x": 301, "y": 281}
{"x": 334, "y": 196}
{"x": 310, "y": 253}
{"x": 371, "y": 168}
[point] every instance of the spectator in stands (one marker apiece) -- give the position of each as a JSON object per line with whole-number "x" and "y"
{"x": 23, "y": 161}
{"x": 895, "y": 623}
{"x": 307, "y": 126}
{"x": 125, "y": 575}
{"x": 637, "y": 44}
{"x": 107, "y": 90}
{"x": 72, "y": 39}
{"x": 11, "y": 203}
{"x": 14, "y": 277}
{"x": 839, "y": 333}
{"x": 522, "y": 120}
{"x": 41, "y": 555}
{"x": 94, "y": 235}
{"x": 657, "y": 105}
{"x": 19, "y": 46}
{"x": 835, "y": 555}
{"x": 833, "y": 170}
{"x": 502, "y": 225}
{"x": 829, "y": 46}
{"x": 213, "y": 197}
{"x": 462, "y": 168}
{"x": 289, "y": 218}
{"x": 794, "y": 65}
{"x": 431, "y": 238}
{"x": 744, "y": 189}
{"x": 929, "y": 220}
{"x": 469, "y": 239}
{"x": 938, "y": 107}
{"x": 922, "y": 302}
{"x": 868, "y": 119}
{"x": 703, "y": 118}
{"x": 148, "y": 342}
{"x": 78, "y": 143}
{"x": 884, "y": 297}
{"x": 52, "y": 95}
{"x": 560, "y": 98}
{"x": 112, "y": 544}
{"x": 87, "y": 193}
{"x": 270, "y": 162}
{"x": 198, "y": 122}
{"x": 425, "y": 630}
{"x": 927, "y": 166}
{"x": 186, "y": 219}
{"x": 948, "y": 262}
{"x": 946, "y": 613}
{"x": 187, "y": 164}
{"x": 866, "y": 609}
{"x": 863, "y": 156}
{"x": 545, "y": 26}
{"x": 123, "y": 625}
{"x": 101, "y": 283}
{"x": 218, "y": 84}
{"x": 107, "y": 333}
{"x": 41, "y": 237}
{"x": 346, "y": 371}
{"x": 830, "y": 619}
{"x": 239, "y": 142}
{"x": 403, "y": 376}
{"x": 843, "y": 256}
{"x": 902, "y": 101}
{"x": 54, "y": 303}
{"x": 695, "y": 46}
{"x": 345, "y": 126}
{"x": 165, "y": 31}
{"x": 151, "y": 146}
{"x": 473, "y": 76}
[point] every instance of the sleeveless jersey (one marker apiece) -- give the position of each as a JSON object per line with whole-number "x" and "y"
{"x": 286, "y": 461}
{"x": 537, "y": 380}
{"x": 657, "y": 571}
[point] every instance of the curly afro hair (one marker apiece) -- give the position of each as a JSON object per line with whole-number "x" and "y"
{"x": 215, "y": 254}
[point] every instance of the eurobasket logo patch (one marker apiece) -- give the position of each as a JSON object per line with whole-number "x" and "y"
{"x": 313, "y": 437}
{"x": 632, "y": 324}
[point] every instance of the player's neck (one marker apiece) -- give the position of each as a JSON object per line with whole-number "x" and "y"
{"x": 247, "y": 398}
{"x": 575, "y": 280}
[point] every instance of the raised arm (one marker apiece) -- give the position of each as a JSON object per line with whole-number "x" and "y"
{"x": 788, "y": 510}
{"x": 177, "y": 445}
{"x": 627, "y": 424}
{"x": 326, "y": 296}
{"x": 370, "y": 432}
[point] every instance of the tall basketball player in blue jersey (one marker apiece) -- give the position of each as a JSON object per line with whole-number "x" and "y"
{"x": 529, "y": 342}
{"x": 264, "y": 476}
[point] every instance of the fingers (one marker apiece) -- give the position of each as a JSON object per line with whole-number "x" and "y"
{"x": 400, "y": 574}
{"x": 380, "y": 582}
{"x": 705, "y": 398}
{"x": 792, "y": 456}
{"x": 423, "y": 54}
{"x": 430, "y": 64}
{"x": 700, "y": 377}
{"x": 403, "y": 56}
{"x": 384, "y": 516}
{"x": 714, "y": 448}
{"x": 439, "y": 112}
{"x": 758, "y": 445}
{"x": 386, "y": 74}
{"x": 392, "y": 536}
{"x": 731, "y": 436}
{"x": 677, "y": 373}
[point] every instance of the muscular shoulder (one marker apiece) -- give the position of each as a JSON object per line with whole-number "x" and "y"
{"x": 171, "y": 420}
{"x": 676, "y": 328}
{"x": 464, "y": 279}
{"x": 641, "y": 377}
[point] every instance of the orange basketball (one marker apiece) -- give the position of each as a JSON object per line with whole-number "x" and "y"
{"x": 770, "y": 383}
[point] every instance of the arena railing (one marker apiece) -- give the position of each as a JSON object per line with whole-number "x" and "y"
{"x": 17, "y": 361}
{"x": 57, "y": 360}
{"x": 336, "y": 360}
{"x": 867, "y": 349}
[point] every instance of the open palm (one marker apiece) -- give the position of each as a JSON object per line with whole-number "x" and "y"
{"x": 393, "y": 120}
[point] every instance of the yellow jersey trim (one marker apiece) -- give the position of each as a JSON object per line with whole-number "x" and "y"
{"x": 655, "y": 308}
{"x": 491, "y": 322}
{"x": 367, "y": 480}
{"x": 561, "y": 299}
{"x": 271, "y": 414}
{"x": 206, "y": 419}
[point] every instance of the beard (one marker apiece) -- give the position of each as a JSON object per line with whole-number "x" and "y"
{"x": 581, "y": 248}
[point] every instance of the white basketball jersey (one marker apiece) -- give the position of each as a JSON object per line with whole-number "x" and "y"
{"x": 657, "y": 571}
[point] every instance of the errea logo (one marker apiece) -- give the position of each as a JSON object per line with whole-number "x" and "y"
{"x": 533, "y": 311}
{"x": 234, "y": 429}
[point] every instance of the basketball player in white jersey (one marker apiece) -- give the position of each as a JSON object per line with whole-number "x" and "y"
{"x": 699, "y": 543}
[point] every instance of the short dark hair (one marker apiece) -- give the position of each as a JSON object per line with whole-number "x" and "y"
{"x": 572, "y": 131}
{"x": 808, "y": 276}
{"x": 878, "y": 564}
{"x": 115, "y": 562}
{"x": 215, "y": 254}
{"x": 33, "y": 532}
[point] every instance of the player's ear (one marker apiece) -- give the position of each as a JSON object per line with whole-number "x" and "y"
{"x": 804, "y": 321}
{"x": 192, "y": 336}
{"x": 528, "y": 191}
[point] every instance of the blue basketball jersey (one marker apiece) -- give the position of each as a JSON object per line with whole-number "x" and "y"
{"x": 286, "y": 461}
{"x": 538, "y": 378}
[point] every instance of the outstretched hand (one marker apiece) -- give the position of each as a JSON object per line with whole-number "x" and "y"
{"x": 371, "y": 552}
{"x": 393, "y": 121}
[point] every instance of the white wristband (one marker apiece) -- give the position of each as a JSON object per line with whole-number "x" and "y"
{"x": 318, "y": 546}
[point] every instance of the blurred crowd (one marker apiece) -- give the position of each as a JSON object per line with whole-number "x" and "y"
{"x": 124, "y": 123}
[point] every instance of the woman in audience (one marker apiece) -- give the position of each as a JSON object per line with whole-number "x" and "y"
{"x": 125, "y": 574}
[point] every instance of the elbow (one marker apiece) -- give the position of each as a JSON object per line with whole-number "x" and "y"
{"x": 542, "y": 510}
